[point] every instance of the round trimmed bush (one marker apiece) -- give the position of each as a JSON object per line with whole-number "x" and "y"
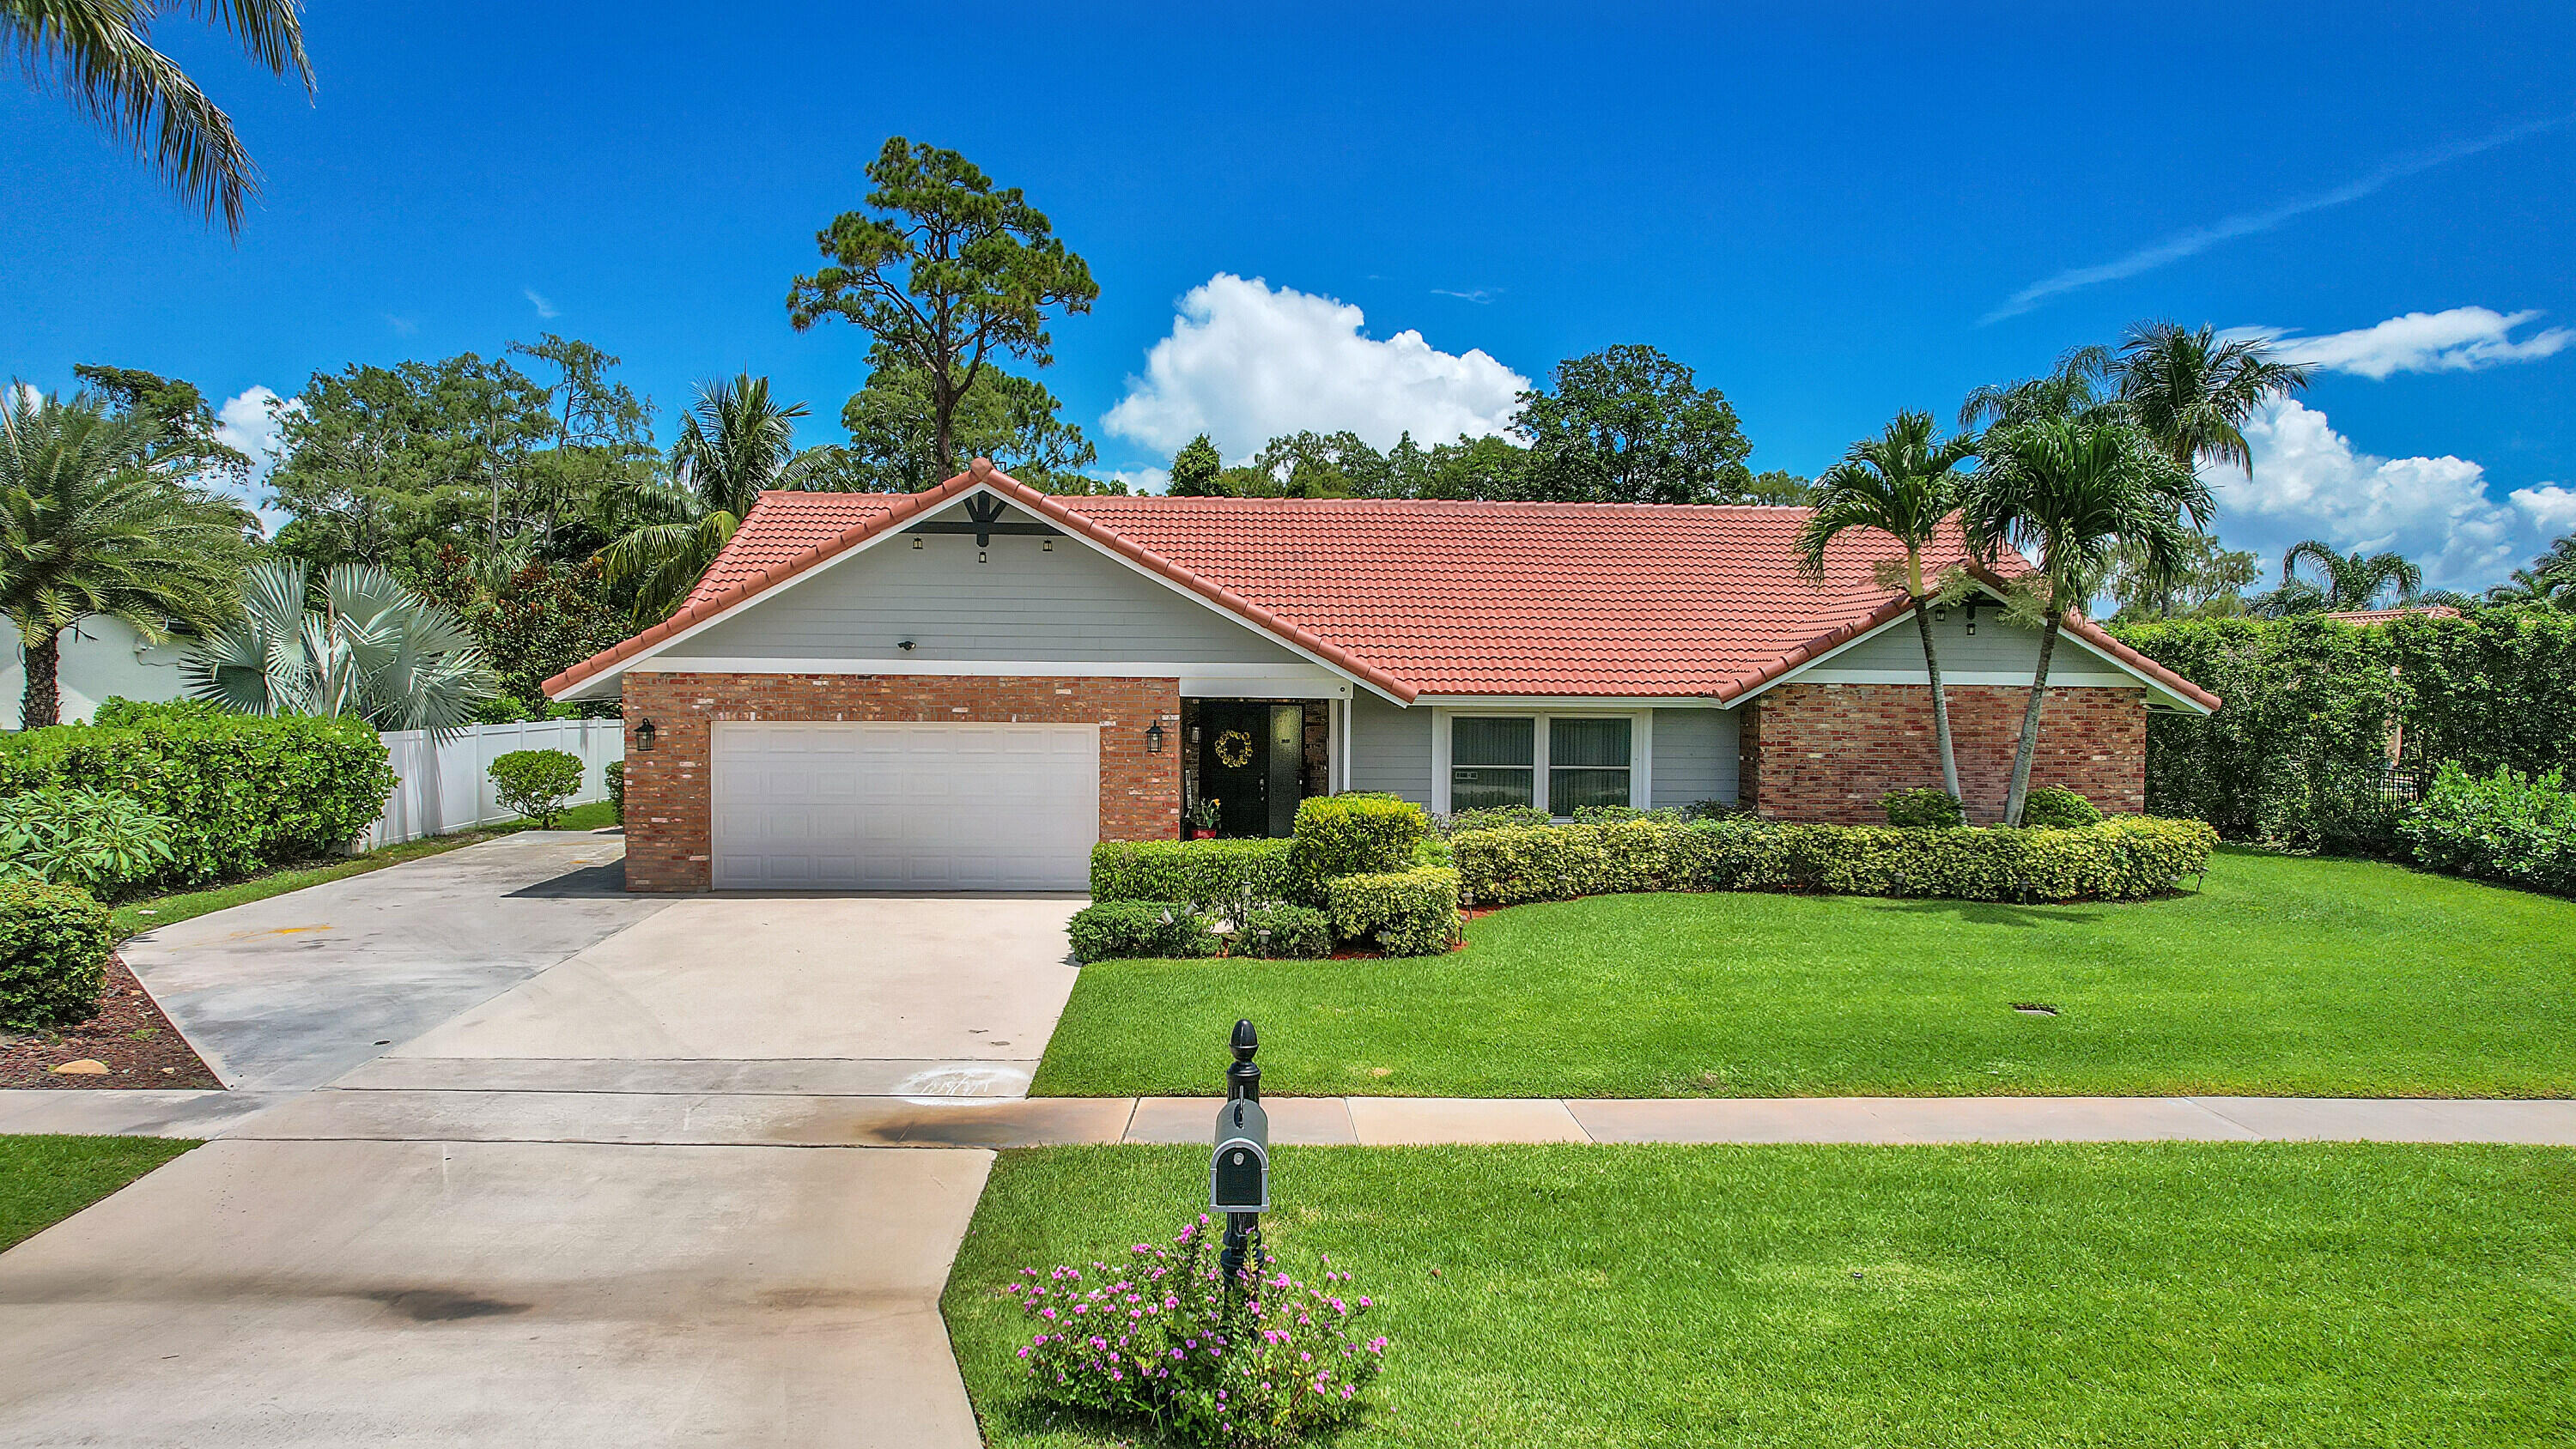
{"x": 54, "y": 942}
{"x": 1927, "y": 806}
{"x": 537, "y": 783}
{"x": 2054, "y": 807}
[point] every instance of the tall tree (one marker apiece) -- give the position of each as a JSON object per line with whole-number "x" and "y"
{"x": 2074, "y": 492}
{"x": 2070, "y": 391}
{"x": 948, "y": 273}
{"x": 1195, "y": 469}
{"x": 2212, "y": 581}
{"x": 99, "y": 53}
{"x": 2551, "y": 579}
{"x": 734, "y": 444}
{"x": 1902, "y": 483}
{"x": 2193, "y": 392}
{"x": 90, "y": 524}
{"x": 187, "y": 421}
{"x": 1629, "y": 425}
{"x": 2345, "y": 580}
{"x": 1014, "y": 421}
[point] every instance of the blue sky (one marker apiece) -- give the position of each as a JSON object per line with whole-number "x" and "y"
{"x": 1830, "y": 212}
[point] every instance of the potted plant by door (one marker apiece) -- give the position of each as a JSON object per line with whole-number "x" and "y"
{"x": 1203, "y": 818}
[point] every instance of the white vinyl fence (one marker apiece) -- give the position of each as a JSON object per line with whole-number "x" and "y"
{"x": 447, "y": 787}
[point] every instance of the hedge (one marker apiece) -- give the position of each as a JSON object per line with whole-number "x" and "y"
{"x": 1117, "y": 930}
{"x": 1355, "y": 834}
{"x": 2504, "y": 827}
{"x": 54, "y": 942}
{"x": 1285, "y": 933}
{"x": 242, "y": 792}
{"x": 2124, "y": 858}
{"x": 1205, "y": 874}
{"x": 1407, "y": 912}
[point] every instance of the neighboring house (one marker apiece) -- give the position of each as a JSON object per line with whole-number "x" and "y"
{"x": 2367, "y": 617}
{"x": 102, "y": 658}
{"x": 967, "y": 688}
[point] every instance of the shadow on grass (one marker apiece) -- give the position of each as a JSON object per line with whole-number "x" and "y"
{"x": 1028, "y": 1414}
{"x": 1994, "y": 913}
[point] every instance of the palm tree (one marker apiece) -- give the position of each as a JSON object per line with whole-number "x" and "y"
{"x": 374, "y": 649}
{"x": 2071, "y": 391}
{"x": 2193, "y": 392}
{"x": 99, "y": 55}
{"x": 88, "y": 526}
{"x": 2075, "y": 492}
{"x": 2350, "y": 580}
{"x": 1903, "y": 484}
{"x": 2551, "y": 579}
{"x": 733, "y": 445}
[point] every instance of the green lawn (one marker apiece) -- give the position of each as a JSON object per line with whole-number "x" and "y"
{"x": 44, "y": 1180}
{"x": 2283, "y": 976}
{"x": 149, "y": 911}
{"x": 2139, "y": 1295}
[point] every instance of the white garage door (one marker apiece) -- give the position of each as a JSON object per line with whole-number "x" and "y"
{"x": 905, "y": 806}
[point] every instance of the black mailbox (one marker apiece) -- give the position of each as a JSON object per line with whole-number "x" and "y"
{"x": 1239, "y": 1174}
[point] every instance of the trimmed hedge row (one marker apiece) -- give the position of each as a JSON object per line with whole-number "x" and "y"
{"x": 242, "y": 792}
{"x": 1406, "y": 912}
{"x": 1111, "y": 930}
{"x": 2126, "y": 858}
{"x": 1205, "y": 874}
{"x": 54, "y": 942}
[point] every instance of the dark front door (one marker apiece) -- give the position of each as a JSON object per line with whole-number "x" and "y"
{"x": 1252, "y": 762}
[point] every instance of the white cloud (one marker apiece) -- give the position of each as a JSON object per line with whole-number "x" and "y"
{"x": 250, "y": 421}
{"x": 544, "y": 308}
{"x": 2462, "y": 339}
{"x": 1246, "y": 363}
{"x": 1144, "y": 480}
{"x": 2310, "y": 482}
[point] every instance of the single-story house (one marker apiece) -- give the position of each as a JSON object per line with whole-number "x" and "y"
{"x": 966, "y": 688}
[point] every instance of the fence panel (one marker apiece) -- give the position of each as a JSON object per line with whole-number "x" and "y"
{"x": 444, "y": 787}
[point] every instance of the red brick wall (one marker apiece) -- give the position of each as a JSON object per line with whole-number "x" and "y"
{"x": 1829, "y": 751}
{"x": 667, "y": 844}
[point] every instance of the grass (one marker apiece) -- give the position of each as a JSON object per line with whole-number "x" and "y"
{"x": 44, "y": 1180}
{"x": 2139, "y": 1295}
{"x": 2282, "y": 976}
{"x": 164, "y": 910}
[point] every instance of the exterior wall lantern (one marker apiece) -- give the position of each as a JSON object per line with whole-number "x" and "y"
{"x": 644, "y": 733}
{"x": 1154, "y": 738}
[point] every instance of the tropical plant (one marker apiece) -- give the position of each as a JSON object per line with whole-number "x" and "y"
{"x": 733, "y": 445}
{"x": 374, "y": 650}
{"x": 101, "y": 56}
{"x": 2070, "y": 391}
{"x": 2347, "y": 581}
{"x": 1902, "y": 483}
{"x": 90, "y": 525}
{"x": 2074, "y": 493}
{"x": 536, "y": 783}
{"x": 2551, "y": 579}
{"x": 95, "y": 839}
{"x": 2193, "y": 391}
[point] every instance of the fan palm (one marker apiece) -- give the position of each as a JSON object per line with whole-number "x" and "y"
{"x": 2076, "y": 494}
{"x": 1901, "y": 483}
{"x": 733, "y": 444}
{"x": 100, "y": 54}
{"x": 2193, "y": 392}
{"x": 89, "y": 526}
{"x": 2349, "y": 580}
{"x": 374, "y": 649}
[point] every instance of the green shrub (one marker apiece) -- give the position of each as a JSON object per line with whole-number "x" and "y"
{"x": 1285, "y": 933}
{"x": 1406, "y": 912}
{"x": 1495, "y": 817}
{"x": 2054, "y": 807}
{"x": 103, "y": 843}
{"x": 1121, "y": 930}
{"x": 616, "y": 777}
{"x": 2505, "y": 827}
{"x": 2120, "y": 859}
{"x": 116, "y": 711}
{"x": 1928, "y": 806}
{"x": 536, "y": 783}
{"x": 1204, "y": 874}
{"x": 1607, "y": 814}
{"x": 1355, "y": 835}
{"x": 241, "y": 792}
{"x": 54, "y": 942}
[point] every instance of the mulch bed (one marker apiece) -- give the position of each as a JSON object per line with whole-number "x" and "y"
{"x": 130, "y": 1036}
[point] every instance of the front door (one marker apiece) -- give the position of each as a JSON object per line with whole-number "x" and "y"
{"x": 1252, "y": 763}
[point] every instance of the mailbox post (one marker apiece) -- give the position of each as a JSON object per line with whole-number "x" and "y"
{"x": 1239, "y": 1172}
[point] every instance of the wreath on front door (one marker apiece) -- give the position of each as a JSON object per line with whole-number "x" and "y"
{"x": 1234, "y": 749}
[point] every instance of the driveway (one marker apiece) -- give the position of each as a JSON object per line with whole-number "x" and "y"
{"x": 494, "y": 1212}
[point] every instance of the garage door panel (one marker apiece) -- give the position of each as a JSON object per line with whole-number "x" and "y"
{"x": 909, "y": 806}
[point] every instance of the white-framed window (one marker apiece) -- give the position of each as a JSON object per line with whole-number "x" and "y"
{"x": 1558, "y": 761}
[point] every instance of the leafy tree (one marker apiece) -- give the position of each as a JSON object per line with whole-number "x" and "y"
{"x": 1195, "y": 468}
{"x": 1630, "y": 425}
{"x": 2346, "y": 581}
{"x": 947, "y": 273}
{"x": 1780, "y": 488}
{"x": 532, "y": 621}
{"x": 375, "y": 649}
{"x": 2076, "y": 492}
{"x": 2193, "y": 393}
{"x": 1322, "y": 465}
{"x": 91, "y": 523}
{"x": 1014, "y": 421}
{"x": 1902, "y": 483}
{"x": 2210, "y": 583}
{"x": 734, "y": 444}
{"x": 97, "y": 53}
{"x": 187, "y": 422}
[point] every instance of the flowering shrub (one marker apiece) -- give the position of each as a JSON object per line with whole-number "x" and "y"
{"x": 1262, "y": 1360}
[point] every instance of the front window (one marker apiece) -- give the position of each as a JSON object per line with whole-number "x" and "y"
{"x": 1587, "y": 764}
{"x": 1492, "y": 762}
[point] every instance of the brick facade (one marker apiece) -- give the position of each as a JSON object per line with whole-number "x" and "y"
{"x": 667, "y": 814}
{"x": 1829, "y": 751}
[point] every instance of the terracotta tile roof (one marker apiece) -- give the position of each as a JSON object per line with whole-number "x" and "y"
{"x": 1433, "y": 597}
{"x": 2391, "y": 616}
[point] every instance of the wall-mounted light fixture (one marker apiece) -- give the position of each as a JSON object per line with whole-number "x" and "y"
{"x": 906, "y": 645}
{"x": 916, "y": 543}
{"x": 1972, "y": 613}
{"x": 644, "y": 733}
{"x": 1154, "y": 738}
